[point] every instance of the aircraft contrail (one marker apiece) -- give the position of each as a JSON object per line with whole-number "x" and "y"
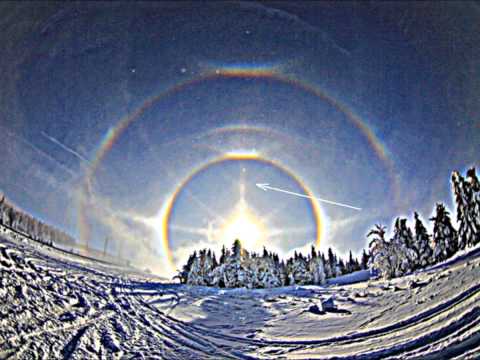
{"x": 66, "y": 148}
{"x": 266, "y": 187}
{"x": 39, "y": 151}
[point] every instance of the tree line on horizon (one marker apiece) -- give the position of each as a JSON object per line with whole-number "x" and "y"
{"x": 237, "y": 267}
{"x": 20, "y": 221}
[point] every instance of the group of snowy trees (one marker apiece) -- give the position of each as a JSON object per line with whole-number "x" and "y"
{"x": 407, "y": 251}
{"x": 239, "y": 268}
{"x": 28, "y": 225}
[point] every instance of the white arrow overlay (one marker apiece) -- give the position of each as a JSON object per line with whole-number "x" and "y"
{"x": 266, "y": 187}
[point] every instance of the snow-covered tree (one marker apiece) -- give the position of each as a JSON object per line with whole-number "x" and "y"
{"x": 444, "y": 235}
{"x": 364, "y": 260}
{"x": 380, "y": 253}
{"x": 341, "y": 268}
{"x": 331, "y": 264}
{"x": 316, "y": 268}
{"x": 195, "y": 274}
{"x": 201, "y": 269}
{"x": 298, "y": 271}
{"x": 265, "y": 273}
{"x": 352, "y": 264}
{"x": 313, "y": 252}
{"x": 467, "y": 203}
{"x": 282, "y": 269}
{"x": 472, "y": 180}
{"x": 422, "y": 243}
{"x": 237, "y": 249}
{"x": 182, "y": 275}
{"x": 403, "y": 256}
{"x": 223, "y": 255}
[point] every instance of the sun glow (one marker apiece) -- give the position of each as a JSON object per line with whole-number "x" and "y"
{"x": 245, "y": 226}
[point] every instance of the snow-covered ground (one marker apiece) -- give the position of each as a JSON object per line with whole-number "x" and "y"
{"x": 56, "y": 305}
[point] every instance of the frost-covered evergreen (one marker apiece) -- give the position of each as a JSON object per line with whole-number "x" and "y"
{"x": 422, "y": 243}
{"x": 444, "y": 235}
{"x": 297, "y": 269}
{"x": 475, "y": 204}
{"x": 183, "y": 274}
{"x": 352, "y": 264}
{"x": 467, "y": 198}
{"x": 403, "y": 255}
{"x": 380, "y": 258}
{"x": 395, "y": 257}
{"x": 364, "y": 260}
{"x": 317, "y": 268}
{"x": 201, "y": 269}
{"x": 331, "y": 267}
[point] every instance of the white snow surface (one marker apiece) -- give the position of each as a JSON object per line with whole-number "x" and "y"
{"x": 55, "y": 305}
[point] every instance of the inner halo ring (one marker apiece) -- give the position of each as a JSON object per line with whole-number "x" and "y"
{"x": 166, "y": 211}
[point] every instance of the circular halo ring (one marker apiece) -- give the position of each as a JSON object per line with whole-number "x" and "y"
{"x": 166, "y": 211}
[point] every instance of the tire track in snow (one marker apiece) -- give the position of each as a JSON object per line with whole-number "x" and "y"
{"x": 68, "y": 350}
{"x": 182, "y": 336}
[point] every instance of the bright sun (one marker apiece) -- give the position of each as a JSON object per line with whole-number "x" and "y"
{"x": 245, "y": 226}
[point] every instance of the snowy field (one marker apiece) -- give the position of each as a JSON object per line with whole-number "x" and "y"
{"x": 55, "y": 305}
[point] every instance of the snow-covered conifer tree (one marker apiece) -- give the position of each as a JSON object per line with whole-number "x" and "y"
{"x": 331, "y": 264}
{"x": 364, "y": 260}
{"x": 403, "y": 255}
{"x": 380, "y": 253}
{"x": 264, "y": 272}
{"x": 472, "y": 180}
{"x": 298, "y": 271}
{"x": 326, "y": 266}
{"x": 422, "y": 243}
{"x": 237, "y": 249}
{"x": 223, "y": 255}
{"x": 183, "y": 274}
{"x": 351, "y": 265}
{"x": 342, "y": 269}
{"x": 316, "y": 268}
{"x": 468, "y": 233}
{"x": 194, "y": 275}
{"x": 201, "y": 269}
{"x": 338, "y": 266}
{"x": 214, "y": 260}
{"x": 357, "y": 265}
{"x": 282, "y": 269}
{"x": 444, "y": 235}
{"x": 276, "y": 259}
